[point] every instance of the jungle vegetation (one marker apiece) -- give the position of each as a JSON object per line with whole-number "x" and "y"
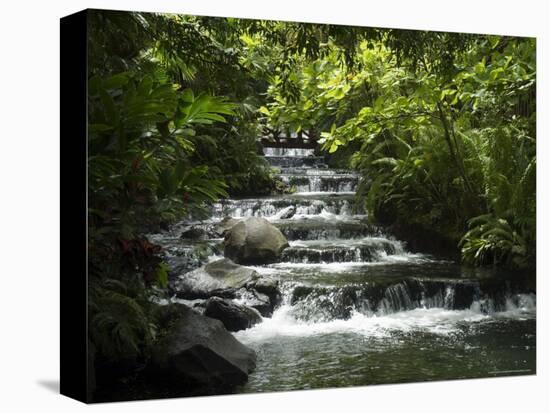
{"x": 442, "y": 126}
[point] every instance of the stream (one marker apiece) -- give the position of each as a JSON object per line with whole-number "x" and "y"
{"x": 357, "y": 307}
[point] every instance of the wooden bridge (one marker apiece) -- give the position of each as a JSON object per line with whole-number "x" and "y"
{"x": 273, "y": 138}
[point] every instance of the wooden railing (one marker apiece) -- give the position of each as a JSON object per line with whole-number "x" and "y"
{"x": 277, "y": 139}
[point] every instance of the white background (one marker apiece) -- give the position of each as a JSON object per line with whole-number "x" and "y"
{"x": 29, "y": 205}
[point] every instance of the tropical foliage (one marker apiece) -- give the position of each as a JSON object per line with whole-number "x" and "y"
{"x": 169, "y": 132}
{"x": 441, "y": 126}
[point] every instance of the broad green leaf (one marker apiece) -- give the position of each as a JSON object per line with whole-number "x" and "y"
{"x": 187, "y": 95}
{"x": 116, "y": 81}
{"x": 264, "y": 110}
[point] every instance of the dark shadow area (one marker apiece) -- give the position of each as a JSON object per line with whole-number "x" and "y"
{"x": 51, "y": 385}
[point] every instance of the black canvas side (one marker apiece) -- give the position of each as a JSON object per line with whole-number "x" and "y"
{"x": 73, "y": 171}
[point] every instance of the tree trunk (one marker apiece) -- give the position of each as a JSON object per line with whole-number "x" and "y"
{"x": 453, "y": 149}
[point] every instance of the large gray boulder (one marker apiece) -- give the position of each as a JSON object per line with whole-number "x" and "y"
{"x": 254, "y": 241}
{"x": 218, "y": 278}
{"x": 234, "y": 316}
{"x": 198, "y": 350}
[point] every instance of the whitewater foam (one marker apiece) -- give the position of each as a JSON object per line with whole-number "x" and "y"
{"x": 334, "y": 267}
{"x": 431, "y": 320}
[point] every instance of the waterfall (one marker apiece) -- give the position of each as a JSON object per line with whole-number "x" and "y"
{"x": 339, "y": 265}
{"x": 340, "y": 268}
{"x": 353, "y": 295}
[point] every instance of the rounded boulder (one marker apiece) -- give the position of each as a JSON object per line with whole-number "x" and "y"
{"x": 254, "y": 241}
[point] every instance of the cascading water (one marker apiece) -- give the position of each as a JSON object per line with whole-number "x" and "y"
{"x": 357, "y": 308}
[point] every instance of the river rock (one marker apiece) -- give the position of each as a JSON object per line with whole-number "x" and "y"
{"x": 190, "y": 256}
{"x": 235, "y": 317}
{"x": 254, "y": 241}
{"x": 218, "y": 278}
{"x": 194, "y": 232}
{"x": 208, "y": 231}
{"x": 198, "y": 350}
{"x": 226, "y": 224}
{"x": 287, "y": 213}
{"x": 267, "y": 286}
{"x": 258, "y": 301}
